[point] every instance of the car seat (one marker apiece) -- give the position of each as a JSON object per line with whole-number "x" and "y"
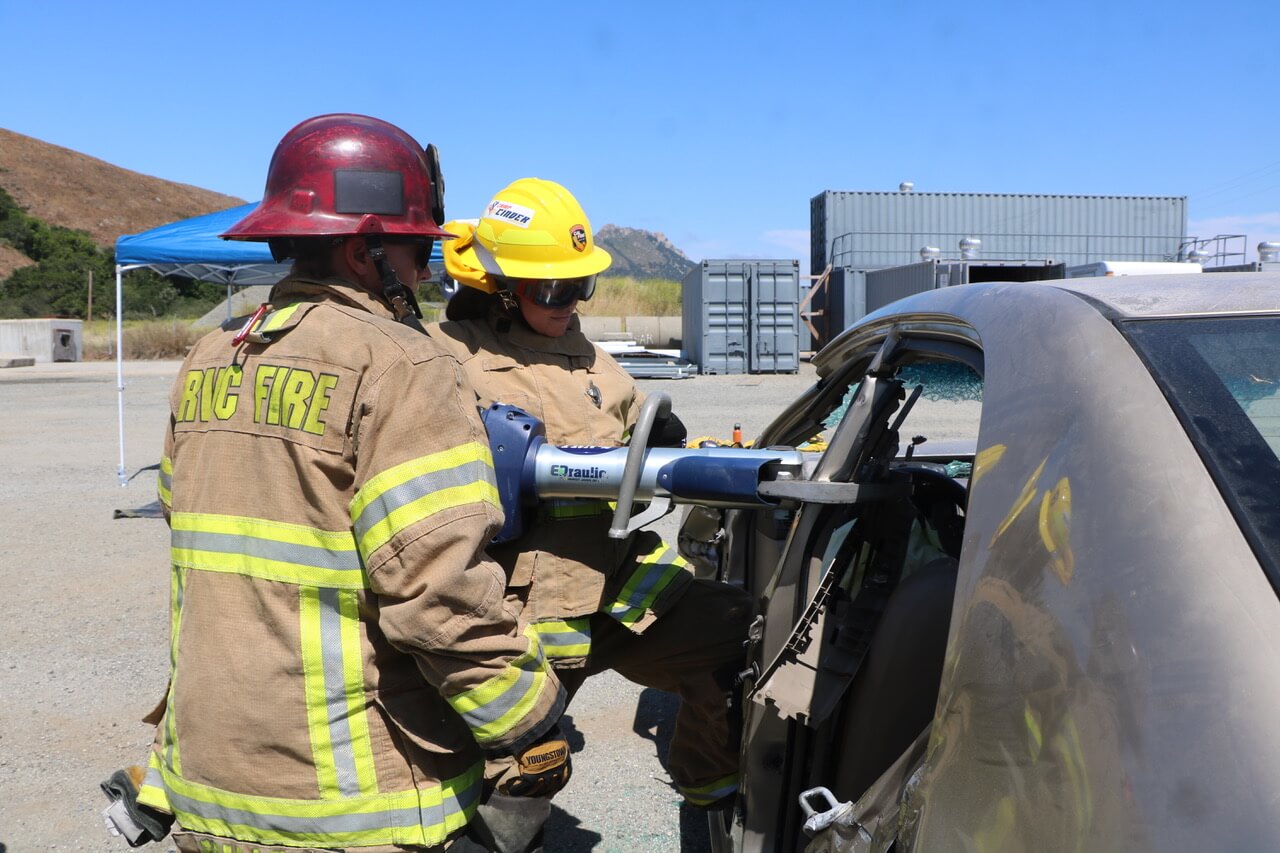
{"x": 893, "y": 696}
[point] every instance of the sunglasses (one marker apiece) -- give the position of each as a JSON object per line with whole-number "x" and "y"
{"x": 421, "y": 247}
{"x": 553, "y": 292}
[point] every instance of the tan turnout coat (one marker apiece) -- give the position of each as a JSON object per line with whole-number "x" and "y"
{"x": 565, "y": 566}
{"x": 342, "y": 653}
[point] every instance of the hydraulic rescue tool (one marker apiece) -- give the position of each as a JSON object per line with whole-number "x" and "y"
{"x": 529, "y": 470}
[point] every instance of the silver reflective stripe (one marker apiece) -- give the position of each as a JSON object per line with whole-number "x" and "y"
{"x": 493, "y": 710}
{"x": 654, "y": 572}
{"x": 486, "y": 259}
{"x": 344, "y": 760}
{"x": 449, "y": 806}
{"x": 330, "y": 825}
{"x": 267, "y": 549}
{"x": 166, "y": 481}
{"x": 564, "y": 638}
{"x": 409, "y": 491}
{"x": 373, "y": 821}
{"x": 702, "y": 796}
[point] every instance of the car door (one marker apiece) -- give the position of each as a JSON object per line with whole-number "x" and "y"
{"x": 815, "y": 672}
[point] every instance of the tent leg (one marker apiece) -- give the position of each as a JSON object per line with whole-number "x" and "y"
{"x": 229, "y": 303}
{"x": 120, "y": 470}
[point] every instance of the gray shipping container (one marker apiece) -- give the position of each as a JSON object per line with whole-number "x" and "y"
{"x": 43, "y": 340}
{"x": 742, "y": 316}
{"x": 871, "y": 230}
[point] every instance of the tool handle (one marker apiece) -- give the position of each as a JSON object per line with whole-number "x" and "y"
{"x": 657, "y": 406}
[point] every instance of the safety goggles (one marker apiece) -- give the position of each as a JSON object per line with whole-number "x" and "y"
{"x": 421, "y": 248}
{"x": 553, "y": 292}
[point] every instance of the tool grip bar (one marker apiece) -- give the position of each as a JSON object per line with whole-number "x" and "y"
{"x": 656, "y": 405}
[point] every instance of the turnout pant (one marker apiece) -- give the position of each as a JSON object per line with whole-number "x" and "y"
{"x": 693, "y": 650}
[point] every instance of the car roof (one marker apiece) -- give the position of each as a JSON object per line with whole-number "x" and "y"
{"x": 1111, "y": 297}
{"x": 1141, "y": 296}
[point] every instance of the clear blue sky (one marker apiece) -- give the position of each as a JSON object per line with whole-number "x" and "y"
{"x": 711, "y": 122}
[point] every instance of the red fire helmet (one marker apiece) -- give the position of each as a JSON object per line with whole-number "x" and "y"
{"x": 341, "y": 175}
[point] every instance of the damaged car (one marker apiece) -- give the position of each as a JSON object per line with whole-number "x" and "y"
{"x": 1026, "y": 599}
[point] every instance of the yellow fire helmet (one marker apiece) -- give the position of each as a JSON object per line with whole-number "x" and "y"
{"x": 532, "y": 229}
{"x": 454, "y": 250}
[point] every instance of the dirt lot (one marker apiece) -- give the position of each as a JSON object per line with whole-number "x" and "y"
{"x": 86, "y": 628}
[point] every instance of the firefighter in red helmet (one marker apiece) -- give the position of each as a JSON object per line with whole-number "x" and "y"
{"x": 342, "y": 661}
{"x": 335, "y": 178}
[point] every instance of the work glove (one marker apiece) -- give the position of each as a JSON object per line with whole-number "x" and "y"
{"x": 125, "y": 816}
{"x": 670, "y": 432}
{"x": 540, "y": 769}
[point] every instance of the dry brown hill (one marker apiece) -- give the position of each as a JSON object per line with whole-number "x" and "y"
{"x": 64, "y": 187}
{"x": 11, "y": 259}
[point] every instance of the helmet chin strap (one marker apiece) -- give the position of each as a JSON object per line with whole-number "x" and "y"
{"x": 397, "y": 294}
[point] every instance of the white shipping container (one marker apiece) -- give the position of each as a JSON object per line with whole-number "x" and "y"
{"x": 43, "y": 340}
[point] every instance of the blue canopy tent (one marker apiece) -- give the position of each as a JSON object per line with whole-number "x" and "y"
{"x": 191, "y": 248}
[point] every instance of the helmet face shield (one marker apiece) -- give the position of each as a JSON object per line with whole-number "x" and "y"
{"x": 553, "y": 292}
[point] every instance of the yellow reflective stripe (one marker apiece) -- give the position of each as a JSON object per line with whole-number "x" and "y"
{"x": 313, "y": 689}
{"x": 164, "y": 485}
{"x": 705, "y": 795}
{"x": 151, "y": 791}
{"x": 1032, "y": 722}
{"x": 570, "y": 638}
{"x": 333, "y": 684}
{"x": 169, "y": 740}
{"x": 412, "y": 491}
{"x": 654, "y": 573}
{"x": 423, "y": 817}
{"x": 271, "y": 550}
{"x": 276, "y": 319}
{"x": 499, "y": 704}
{"x": 357, "y": 706}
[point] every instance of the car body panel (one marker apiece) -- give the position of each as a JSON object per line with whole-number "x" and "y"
{"x": 1111, "y": 675}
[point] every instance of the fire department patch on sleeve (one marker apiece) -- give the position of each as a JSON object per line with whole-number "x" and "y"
{"x": 579, "y": 236}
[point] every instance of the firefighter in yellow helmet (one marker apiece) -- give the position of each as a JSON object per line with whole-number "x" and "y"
{"x": 597, "y": 603}
{"x": 342, "y": 656}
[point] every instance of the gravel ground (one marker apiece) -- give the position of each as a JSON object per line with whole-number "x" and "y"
{"x": 84, "y": 655}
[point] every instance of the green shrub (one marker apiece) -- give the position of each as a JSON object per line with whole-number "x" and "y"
{"x": 57, "y": 284}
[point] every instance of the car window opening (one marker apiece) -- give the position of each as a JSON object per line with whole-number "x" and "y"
{"x": 896, "y": 562}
